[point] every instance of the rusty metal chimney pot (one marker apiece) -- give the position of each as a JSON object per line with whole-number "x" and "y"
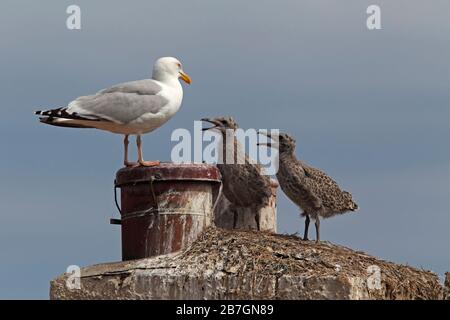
{"x": 165, "y": 208}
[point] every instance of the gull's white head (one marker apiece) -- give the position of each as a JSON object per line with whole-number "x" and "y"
{"x": 168, "y": 68}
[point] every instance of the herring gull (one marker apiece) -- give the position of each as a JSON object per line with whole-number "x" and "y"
{"x": 130, "y": 108}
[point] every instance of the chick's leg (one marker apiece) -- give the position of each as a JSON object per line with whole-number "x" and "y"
{"x": 307, "y": 220}
{"x": 317, "y": 229}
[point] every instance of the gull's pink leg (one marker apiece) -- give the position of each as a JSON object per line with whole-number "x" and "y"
{"x": 141, "y": 158}
{"x": 125, "y": 158}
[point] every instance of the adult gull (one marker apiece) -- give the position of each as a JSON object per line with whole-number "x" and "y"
{"x": 130, "y": 108}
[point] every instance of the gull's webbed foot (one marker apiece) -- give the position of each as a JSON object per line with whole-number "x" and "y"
{"x": 130, "y": 164}
{"x": 149, "y": 163}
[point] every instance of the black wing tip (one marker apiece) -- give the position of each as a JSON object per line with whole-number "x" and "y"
{"x": 45, "y": 112}
{"x": 51, "y": 121}
{"x": 61, "y": 113}
{"x": 50, "y": 113}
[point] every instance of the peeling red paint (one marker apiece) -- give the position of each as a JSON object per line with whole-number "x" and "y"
{"x": 182, "y": 207}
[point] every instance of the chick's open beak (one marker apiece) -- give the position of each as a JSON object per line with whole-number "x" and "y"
{"x": 185, "y": 77}
{"x": 265, "y": 133}
{"x": 215, "y": 123}
{"x": 267, "y": 144}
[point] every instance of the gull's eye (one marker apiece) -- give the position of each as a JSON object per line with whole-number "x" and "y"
{"x": 179, "y": 65}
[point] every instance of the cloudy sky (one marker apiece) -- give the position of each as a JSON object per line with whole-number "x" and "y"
{"x": 371, "y": 108}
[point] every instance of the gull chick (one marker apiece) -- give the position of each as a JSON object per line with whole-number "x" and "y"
{"x": 244, "y": 183}
{"x": 130, "y": 108}
{"x": 311, "y": 189}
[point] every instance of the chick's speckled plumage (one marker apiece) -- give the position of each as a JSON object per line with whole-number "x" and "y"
{"x": 243, "y": 184}
{"x": 312, "y": 189}
{"x": 317, "y": 194}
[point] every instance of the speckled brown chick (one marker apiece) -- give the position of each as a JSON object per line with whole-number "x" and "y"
{"x": 311, "y": 189}
{"x": 244, "y": 184}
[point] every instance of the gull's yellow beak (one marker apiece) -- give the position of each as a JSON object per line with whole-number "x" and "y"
{"x": 185, "y": 77}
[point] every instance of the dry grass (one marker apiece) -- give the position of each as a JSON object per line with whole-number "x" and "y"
{"x": 261, "y": 253}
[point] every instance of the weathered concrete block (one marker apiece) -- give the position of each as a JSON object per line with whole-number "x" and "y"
{"x": 229, "y": 216}
{"x": 224, "y": 264}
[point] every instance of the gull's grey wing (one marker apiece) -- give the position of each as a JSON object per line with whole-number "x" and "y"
{"x": 121, "y": 103}
{"x": 325, "y": 187}
{"x": 299, "y": 189}
{"x": 143, "y": 87}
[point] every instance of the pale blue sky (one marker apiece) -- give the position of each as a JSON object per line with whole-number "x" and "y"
{"x": 369, "y": 107}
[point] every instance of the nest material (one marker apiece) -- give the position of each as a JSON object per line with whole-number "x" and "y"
{"x": 262, "y": 254}
{"x": 447, "y": 286}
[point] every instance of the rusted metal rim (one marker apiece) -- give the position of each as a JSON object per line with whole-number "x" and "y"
{"x": 168, "y": 172}
{"x": 156, "y": 178}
